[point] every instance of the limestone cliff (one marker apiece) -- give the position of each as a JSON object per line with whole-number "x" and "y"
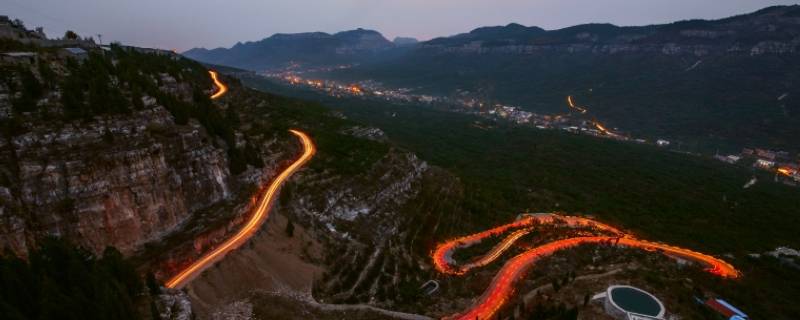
{"x": 111, "y": 160}
{"x": 119, "y": 181}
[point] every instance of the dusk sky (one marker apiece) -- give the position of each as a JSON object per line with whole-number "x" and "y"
{"x": 183, "y": 24}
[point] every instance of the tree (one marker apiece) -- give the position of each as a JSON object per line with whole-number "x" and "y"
{"x": 31, "y": 92}
{"x": 108, "y": 137}
{"x": 61, "y": 281}
{"x": 152, "y": 283}
{"x": 136, "y": 98}
{"x": 71, "y": 35}
{"x": 73, "y": 99}
{"x": 290, "y": 228}
{"x": 47, "y": 73}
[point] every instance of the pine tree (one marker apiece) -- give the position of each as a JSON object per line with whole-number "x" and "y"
{"x": 290, "y": 228}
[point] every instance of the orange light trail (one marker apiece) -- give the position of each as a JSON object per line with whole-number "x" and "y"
{"x": 603, "y": 129}
{"x": 572, "y": 105}
{"x": 259, "y": 216}
{"x": 786, "y": 172}
{"x": 442, "y": 256}
{"x": 502, "y": 286}
{"x": 355, "y": 89}
{"x": 221, "y": 87}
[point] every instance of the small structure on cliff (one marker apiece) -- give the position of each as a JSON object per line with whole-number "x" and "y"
{"x": 630, "y": 303}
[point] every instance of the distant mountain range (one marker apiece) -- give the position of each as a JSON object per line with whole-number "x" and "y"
{"x": 405, "y": 41}
{"x": 308, "y": 50}
{"x": 733, "y": 81}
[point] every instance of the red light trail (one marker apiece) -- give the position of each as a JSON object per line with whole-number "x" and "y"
{"x": 502, "y": 286}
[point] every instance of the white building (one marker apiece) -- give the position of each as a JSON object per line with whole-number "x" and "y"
{"x": 765, "y": 164}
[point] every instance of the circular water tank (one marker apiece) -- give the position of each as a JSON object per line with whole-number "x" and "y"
{"x": 623, "y": 300}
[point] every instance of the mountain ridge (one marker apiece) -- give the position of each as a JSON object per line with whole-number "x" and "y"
{"x": 711, "y": 83}
{"x": 764, "y": 22}
{"x": 308, "y": 49}
{"x": 687, "y": 80}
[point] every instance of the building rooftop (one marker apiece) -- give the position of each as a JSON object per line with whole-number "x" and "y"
{"x": 726, "y": 309}
{"x": 75, "y": 51}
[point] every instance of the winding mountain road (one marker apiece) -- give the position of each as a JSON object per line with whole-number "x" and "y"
{"x": 222, "y": 89}
{"x": 261, "y": 213}
{"x": 502, "y": 286}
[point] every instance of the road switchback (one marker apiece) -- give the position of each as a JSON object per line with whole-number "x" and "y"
{"x": 502, "y": 286}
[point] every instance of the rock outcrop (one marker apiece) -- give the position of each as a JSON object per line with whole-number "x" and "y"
{"x": 117, "y": 181}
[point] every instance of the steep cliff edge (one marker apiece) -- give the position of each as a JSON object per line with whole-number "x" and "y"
{"x": 119, "y": 181}
{"x": 103, "y": 150}
{"x": 359, "y": 197}
{"x": 123, "y": 147}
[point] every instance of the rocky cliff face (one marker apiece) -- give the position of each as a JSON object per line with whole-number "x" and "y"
{"x": 790, "y": 46}
{"x": 104, "y": 151}
{"x": 118, "y": 181}
{"x": 769, "y": 31}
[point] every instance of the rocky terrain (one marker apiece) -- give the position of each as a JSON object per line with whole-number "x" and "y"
{"x": 123, "y": 147}
{"x": 350, "y": 243}
{"x": 120, "y": 181}
{"x": 138, "y": 158}
{"x": 112, "y": 180}
{"x": 365, "y": 216}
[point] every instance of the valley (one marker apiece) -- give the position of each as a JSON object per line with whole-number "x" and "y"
{"x": 723, "y": 84}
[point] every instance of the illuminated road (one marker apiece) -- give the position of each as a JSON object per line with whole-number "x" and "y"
{"x": 442, "y": 257}
{"x": 572, "y": 105}
{"x": 221, "y": 87}
{"x": 603, "y": 129}
{"x": 498, "y": 250}
{"x": 787, "y": 171}
{"x": 502, "y": 286}
{"x": 260, "y": 215}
